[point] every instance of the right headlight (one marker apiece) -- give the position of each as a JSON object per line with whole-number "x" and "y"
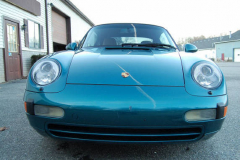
{"x": 46, "y": 71}
{"x": 207, "y": 75}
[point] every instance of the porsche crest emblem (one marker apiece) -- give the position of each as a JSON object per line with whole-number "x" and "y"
{"x": 125, "y": 74}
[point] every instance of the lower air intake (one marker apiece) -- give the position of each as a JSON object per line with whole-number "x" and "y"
{"x": 124, "y": 134}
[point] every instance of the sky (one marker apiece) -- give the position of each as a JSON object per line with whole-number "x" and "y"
{"x": 182, "y": 18}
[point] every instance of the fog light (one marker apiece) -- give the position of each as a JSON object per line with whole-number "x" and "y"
{"x": 200, "y": 115}
{"x": 48, "y": 111}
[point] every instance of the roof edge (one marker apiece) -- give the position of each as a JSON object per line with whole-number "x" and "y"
{"x": 206, "y": 49}
{"x": 127, "y": 23}
{"x": 227, "y": 41}
{"x": 78, "y": 12}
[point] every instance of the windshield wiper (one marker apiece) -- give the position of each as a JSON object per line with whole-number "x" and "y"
{"x": 148, "y": 45}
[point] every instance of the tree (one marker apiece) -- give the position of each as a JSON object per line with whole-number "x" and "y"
{"x": 190, "y": 39}
{"x": 183, "y": 41}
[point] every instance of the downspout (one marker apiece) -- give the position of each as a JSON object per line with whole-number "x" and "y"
{"x": 46, "y": 18}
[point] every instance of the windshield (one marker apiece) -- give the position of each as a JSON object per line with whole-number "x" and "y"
{"x": 118, "y": 34}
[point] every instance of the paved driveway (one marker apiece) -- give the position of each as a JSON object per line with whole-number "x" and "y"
{"x": 20, "y": 141}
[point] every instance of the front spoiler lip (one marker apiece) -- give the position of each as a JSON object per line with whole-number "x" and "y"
{"x": 45, "y": 132}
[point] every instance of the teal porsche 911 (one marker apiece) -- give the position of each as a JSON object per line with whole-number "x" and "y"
{"x": 126, "y": 82}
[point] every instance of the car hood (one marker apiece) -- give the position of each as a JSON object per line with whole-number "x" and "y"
{"x": 145, "y": 67}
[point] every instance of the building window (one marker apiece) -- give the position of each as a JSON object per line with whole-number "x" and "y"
{"x": 12, "y": 38}
{"x": 34, "y": 34}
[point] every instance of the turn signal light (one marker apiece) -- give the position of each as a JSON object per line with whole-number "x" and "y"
{"x": 25, "y": 105}
{"x": 225, "y": 111}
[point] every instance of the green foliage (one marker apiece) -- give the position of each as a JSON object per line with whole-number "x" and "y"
{"x": 229, "y": 60}
{"x": 34, "y": 58}
{"x": 211, "y": 59}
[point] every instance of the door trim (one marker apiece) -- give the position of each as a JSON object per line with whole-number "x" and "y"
{"x": 5, "y": 41}
{"x": 234, "y": 53}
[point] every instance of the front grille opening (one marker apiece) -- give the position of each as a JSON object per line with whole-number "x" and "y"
{"x": 123, "y": 138}
{"x": 122, "y": 130}
{"x": 124, "y": 134}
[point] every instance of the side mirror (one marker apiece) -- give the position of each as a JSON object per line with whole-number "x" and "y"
{"x": 71, "y": 46}
{"x": 190, "y": 48}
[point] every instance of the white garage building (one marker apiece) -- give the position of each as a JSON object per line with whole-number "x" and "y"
{"x": 228, "y": 50}
{"x": 32, "y": 27}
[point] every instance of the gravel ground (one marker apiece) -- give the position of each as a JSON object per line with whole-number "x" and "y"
{"x": 20, "y": 141}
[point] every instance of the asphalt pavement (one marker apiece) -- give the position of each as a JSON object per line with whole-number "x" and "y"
{"x": 20, "y": 141}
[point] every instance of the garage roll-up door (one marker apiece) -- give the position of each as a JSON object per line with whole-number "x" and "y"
{"x": 59, "y": 28}
{"x": 237, "y": 55}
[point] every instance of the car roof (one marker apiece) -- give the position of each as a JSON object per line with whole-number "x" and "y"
{"x": 128, "y": 23}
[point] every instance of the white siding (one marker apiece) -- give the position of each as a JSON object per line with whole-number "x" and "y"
{"x": 78, "y": 29}
{"x": 16, "y": 13}
{"x": 11, "y": 11}
{"x": 78, "y": 26}
{"x": 1, "y": 29}
{"x": 2, "y": 72}
{"x": 26, "y": 60}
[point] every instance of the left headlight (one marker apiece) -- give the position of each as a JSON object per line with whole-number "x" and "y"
{"x": 46, "y": 71}
{"x": 207, "y": 75}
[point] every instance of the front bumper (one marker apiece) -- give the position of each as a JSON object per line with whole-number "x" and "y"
{"x": 124, "y": 114}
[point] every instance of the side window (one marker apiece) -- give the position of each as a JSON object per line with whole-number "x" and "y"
{"x": 92, "y": 41}
{"x": 163, "y": 39}
{"x": 81, "y": 42}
